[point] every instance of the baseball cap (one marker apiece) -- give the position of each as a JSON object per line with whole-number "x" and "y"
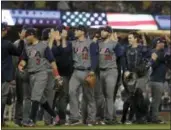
{"x": 100, "y": 29}
{"x": 4, "y": 26}
{"x": 107, "y": 29}
{"x": 158, "y": 40}
{"x": 25, "y": 27}
{"x": 60, "y": 28}
{"x": 82, "y": 28}
{"x": 31, "y": 31}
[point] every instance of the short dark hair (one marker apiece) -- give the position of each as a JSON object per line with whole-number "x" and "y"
{"x": 135, "y": 34}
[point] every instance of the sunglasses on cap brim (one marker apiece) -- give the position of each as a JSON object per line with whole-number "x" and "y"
{"x": 28, "y": 34}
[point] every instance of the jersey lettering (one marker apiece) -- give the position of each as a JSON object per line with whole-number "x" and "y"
{"x": 85, "y": 53}
{"x": 38, "y": 56}
{"x": 107, "y": 53}
{"x": 32, "y": 53}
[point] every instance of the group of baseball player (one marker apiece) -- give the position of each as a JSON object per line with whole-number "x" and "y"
{"x": 51, "y": 71}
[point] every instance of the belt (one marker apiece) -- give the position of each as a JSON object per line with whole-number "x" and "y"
{"x": 104, "y": 69}
{"x": 83, "y": 69}
{"x": 31, "y": 73}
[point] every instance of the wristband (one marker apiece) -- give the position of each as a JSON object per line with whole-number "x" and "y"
{"x": 55, "y": 72}
{"x": 21, "y": 65}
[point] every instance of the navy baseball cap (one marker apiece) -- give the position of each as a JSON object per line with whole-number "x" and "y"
{"x": 31, "y": 31}
{"x": 4, "y": 26}
{"x": 45, "y": 33}
{"x": 82, "y": 28}
{"x": 158, "y": 40}
{"x": 107, "y": 29}
{"x": 60, "y": 28}
{"x": 25, "y": 27}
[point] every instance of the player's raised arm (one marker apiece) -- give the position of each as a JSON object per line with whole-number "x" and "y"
{"x": 16, "y": 51}
{"x": 94, "y": 56}
{"x": 49, "y": 56}
{"x": 23, "y": 61}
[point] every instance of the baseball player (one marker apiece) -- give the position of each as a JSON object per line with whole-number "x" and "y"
{"x": 168, "y": 61}
{"x": 108, "y": 52}
{"x": 99, "y": 97}
{"x": 46, "y": 37}
{"x": 135, "y": 55}
{"x": 157, "y": 79}
{"x": 39, "y": 60}
{"x": 85, "y": 62}
{"x": 8, "y": 49}
{"x": 64, "y": 63}
{"x": 23, "y": 90}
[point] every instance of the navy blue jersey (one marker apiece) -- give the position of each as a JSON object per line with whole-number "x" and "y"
{"x": 135, "y": 57}
{"x": 7, "y": 50}
{"x": 158, "y": 67}
{"x": 63, "y": 60}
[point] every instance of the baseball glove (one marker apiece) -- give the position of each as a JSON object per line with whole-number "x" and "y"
{"x": 91, "y": 80}
{"x": 24, "y": 75}
{"x": 59, "y": 84}
{"x": 131, "y": 81}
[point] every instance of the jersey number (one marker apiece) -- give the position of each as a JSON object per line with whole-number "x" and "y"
{"x": 85, "y": 56}
{"x": 108, "y": 57}
{"x": 38, "y": 61}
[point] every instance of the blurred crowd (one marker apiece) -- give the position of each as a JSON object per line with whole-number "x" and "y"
{"x": 148, "y": 7}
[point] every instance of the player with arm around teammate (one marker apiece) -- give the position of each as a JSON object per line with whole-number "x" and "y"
{"x": 108, "y": 52}
{"x": 23, "y": 89}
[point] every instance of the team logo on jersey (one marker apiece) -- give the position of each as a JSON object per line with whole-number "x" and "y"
{"x": 85, "y": 53}
{"x": 35, "y": 54}
{"x": 107, "y": 53}
{"x": 32, "y": 53}
{"x": 38, "y": 56}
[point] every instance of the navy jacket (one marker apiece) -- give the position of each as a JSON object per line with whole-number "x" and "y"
{"x": 168, "y": 56}
{"x": 143, "y": 52}
{"x": 63, "y": 60}
{"x": 158, "y": 67}
{"x": 7, "y": 50}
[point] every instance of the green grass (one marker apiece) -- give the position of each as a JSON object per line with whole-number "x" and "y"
{"x": 134, "y": 126}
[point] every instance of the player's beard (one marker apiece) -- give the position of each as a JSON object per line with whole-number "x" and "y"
{"x": 104, "y": 38}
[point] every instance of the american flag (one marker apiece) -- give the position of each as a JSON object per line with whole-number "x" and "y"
{"x": 131, "y": 21}
{"x": 32, "y": 17}
{"x": 93, "y": 20}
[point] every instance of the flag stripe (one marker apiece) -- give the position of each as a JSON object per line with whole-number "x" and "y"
{"x": 128, "y": 17}
{"x": 139, "y": 27}
{"x": 133, "y": 23}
